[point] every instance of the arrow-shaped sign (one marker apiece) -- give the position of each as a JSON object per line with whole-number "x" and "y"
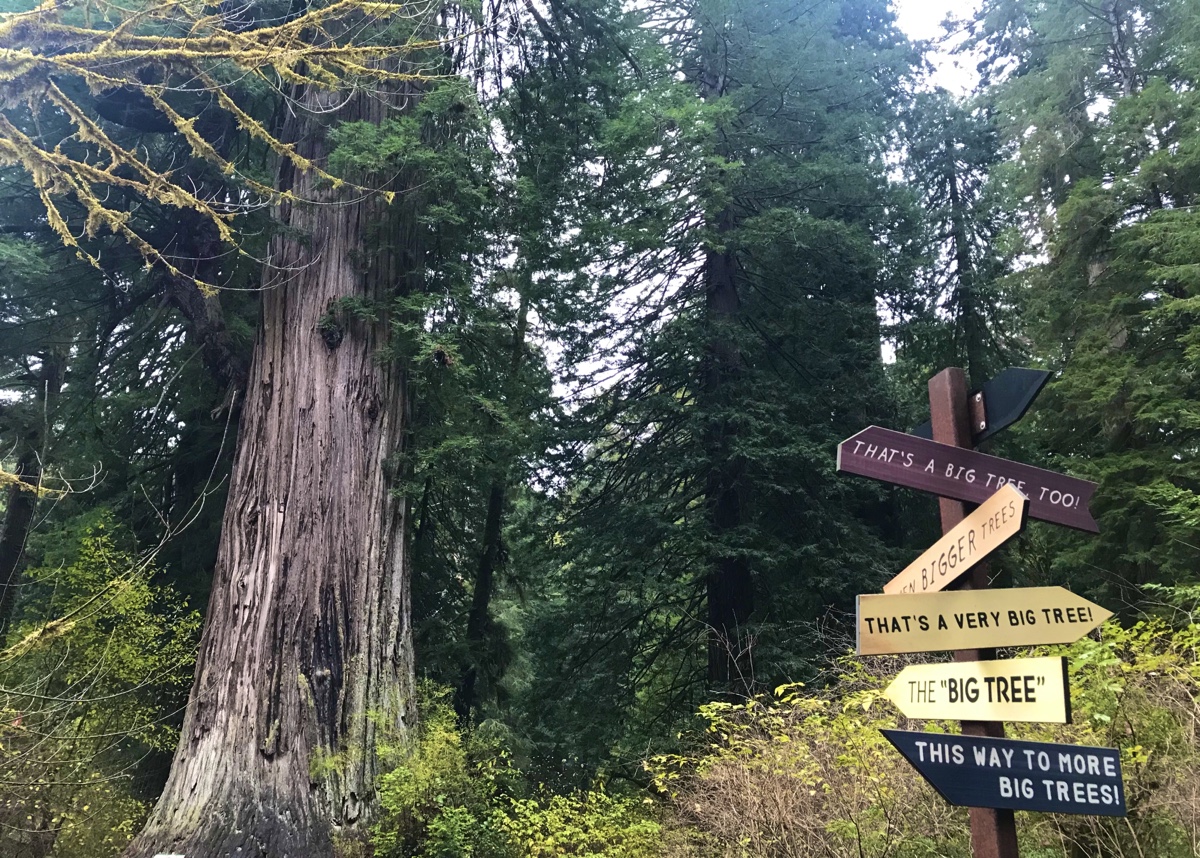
{"x": 997, "y": 520}
{"x": 1006, "y": 398}
{"x": 1015, "y": 689}
{"x": 974, "y": 619}
{"x": 974, "y": 771}
{"x": 962, "y": 474}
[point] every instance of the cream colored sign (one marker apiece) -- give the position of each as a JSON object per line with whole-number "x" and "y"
{"x": 1015, "y": 689}
{"x": 996, "y": 520}
{"x": 971, "y": 619}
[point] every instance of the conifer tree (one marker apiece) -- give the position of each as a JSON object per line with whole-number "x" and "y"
{"x": 966, "y": 319}
{"x": 1101, "y": 105}
{"x": 704, "y": 520}
{"x": 306, "y": 654}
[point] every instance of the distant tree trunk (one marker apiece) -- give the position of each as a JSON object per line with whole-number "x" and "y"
{"x": 730, "y": 589}
{"x": 306, "y": 659}
{"x": 728, "y": 585}
{"x": 18, "y": 516}
{"x": 466, "y": 696}
{"x": 23, "y": 494}
{"x": 478, "y": 618}
{"x": 968, "y": 313}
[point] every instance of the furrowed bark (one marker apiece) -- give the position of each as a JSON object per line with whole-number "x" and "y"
{"x": 306, "y": 659}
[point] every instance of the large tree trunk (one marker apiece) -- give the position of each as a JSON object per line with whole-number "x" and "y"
{"x": 306, "y": 658}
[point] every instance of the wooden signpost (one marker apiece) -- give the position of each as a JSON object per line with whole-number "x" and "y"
{"x": 997, "y": 520}
{"x": 934, "y": 604}
{"x": 1006, "y": 773}
{"x": 1015, "y": 689}
{"x": 964, "y": 475}
{"x": 966, "y": 619}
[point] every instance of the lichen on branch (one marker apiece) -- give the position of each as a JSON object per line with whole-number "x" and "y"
{"x": 157, "y": 50}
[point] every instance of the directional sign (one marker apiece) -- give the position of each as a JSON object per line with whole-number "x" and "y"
{"x": 974, "y": 619}
{"x": 997, "y": 520}
{"x": 974, "y": 771}
{"x": 962, "y": 474}
{"x": 1006, "y": 398}
{"x": 1015, "y": 689}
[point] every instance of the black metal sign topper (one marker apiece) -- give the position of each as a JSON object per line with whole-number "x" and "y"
{"x": 1006, "y": 398}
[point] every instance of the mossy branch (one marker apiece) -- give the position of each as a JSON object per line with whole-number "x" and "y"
{"x": 178, "y": 41}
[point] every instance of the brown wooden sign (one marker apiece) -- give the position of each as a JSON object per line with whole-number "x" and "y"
{"x": 965, "y": 475}
{"x": 997, "y": 520}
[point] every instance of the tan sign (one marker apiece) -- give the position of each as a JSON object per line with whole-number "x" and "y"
{"x": 997, "y": 520}
{"x": 971, "y": 619}
{"x": 1015, "y": 689}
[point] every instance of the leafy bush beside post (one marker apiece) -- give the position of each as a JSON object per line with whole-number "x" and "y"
{"x": 806, "y": 773}
{"x": 800, "y": 774}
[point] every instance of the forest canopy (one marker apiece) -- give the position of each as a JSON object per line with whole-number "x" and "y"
{"x": 418, "y": 422}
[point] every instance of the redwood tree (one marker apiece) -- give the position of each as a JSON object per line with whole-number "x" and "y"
{"x": 306, "y": 656}
{"x": 307, "y": 653}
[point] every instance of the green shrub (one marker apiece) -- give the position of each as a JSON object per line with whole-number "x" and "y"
{"x": 453, "y": 797}
{"x": 97, "y": 664}
{"x": 592, "y": 824}
{"x": 439, "y": 800}
{"x": 806, "y": 773}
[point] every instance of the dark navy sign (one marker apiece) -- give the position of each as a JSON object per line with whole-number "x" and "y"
{"x": 974, "y": 771}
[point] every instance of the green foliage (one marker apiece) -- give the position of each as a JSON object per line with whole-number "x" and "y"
{"x": 96, "y": 669}
{"x": 1102, "y": 109}
{"x": 800, "y": 773}
{"x": 142, "y": 56}
{"x": 437, "y": 800}
{"x": 806, "y": 772}
{"x": 961, "y": 315}
{"x": 456, "y": 796}
{"x": 767, "y": 173}
{"x": 591, "y": 824}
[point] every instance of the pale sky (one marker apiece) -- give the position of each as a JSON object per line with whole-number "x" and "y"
{"x": 921, "y": 19}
